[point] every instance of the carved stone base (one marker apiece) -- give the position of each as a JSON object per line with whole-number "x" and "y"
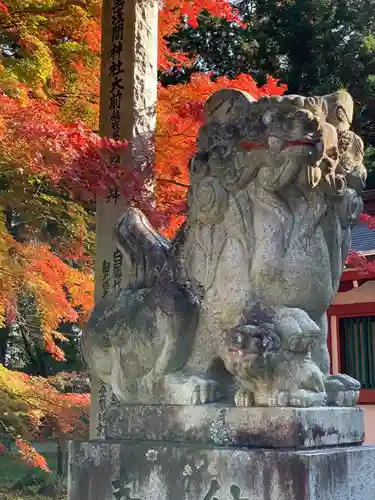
{"x": 214, "y": 424}
{"x": 114, "y": 470}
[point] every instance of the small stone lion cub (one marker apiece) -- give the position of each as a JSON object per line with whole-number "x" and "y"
{"x": 270, "y": 373}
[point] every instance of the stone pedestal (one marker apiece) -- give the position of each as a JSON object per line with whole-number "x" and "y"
{"x": 220, "y": 425}
{"x": 109, "y": 470}
{"x": 214, "y": 452}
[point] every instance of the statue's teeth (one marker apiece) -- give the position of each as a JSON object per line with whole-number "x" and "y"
{"x": 315, "y": 175}
{"x": 275, "y": 144}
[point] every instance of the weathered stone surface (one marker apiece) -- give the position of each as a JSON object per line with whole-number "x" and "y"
{"x": 251, "y": 427}
{"x": 105, "y": 470}
{"x": 275, "y": 187}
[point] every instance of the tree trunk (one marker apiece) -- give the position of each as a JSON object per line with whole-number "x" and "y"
{"x": 62, "y": 458}
{"x": 4, "y": 337}
{"x": 59, "y": 470}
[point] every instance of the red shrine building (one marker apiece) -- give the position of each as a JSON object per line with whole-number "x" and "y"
{"x": 351, "y": 320}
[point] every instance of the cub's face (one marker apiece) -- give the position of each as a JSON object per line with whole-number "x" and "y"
{"x": 252, "y": 347}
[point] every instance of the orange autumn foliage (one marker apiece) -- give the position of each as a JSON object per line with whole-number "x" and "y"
{"x": 59, "y": 290}
{"x": 30, "y": 406}
{"x": 31, "y": 456}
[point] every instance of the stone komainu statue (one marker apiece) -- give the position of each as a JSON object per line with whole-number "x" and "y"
{"x": 234, "y": 308}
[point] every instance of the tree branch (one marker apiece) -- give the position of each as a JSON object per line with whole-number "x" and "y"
{"x": 171, "y": 181}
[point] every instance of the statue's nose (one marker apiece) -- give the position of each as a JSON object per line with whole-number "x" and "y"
{"x": 332, "y": 153}
{"x": 311, "y": 122}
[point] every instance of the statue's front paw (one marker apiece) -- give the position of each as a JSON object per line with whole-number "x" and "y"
{"x": 244, "y": 397}
{"x": 342, "y": 390}
{"x": 268, "y": 399}
{"x": 306, "y": 399}
{"x": 184, "y": 389}
{"x": 202, "y": 390}
{"x": 278, "y": 399}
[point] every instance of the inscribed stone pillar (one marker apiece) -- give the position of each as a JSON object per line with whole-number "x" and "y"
{"x": 127, "y": 111}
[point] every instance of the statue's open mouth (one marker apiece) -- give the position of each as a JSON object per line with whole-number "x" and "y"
{"x": 235, "y": 350}
{"x": 300, "y": 142}
{"x": 275, "y": 143}
{"x": 251, "y": 146}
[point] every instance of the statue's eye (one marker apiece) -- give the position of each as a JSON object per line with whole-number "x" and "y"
{"x": 219, "y": 151}
{"x": 238, "y": 339}
{"x": 341, "y": 114}
{"x": 267, "y": 118}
